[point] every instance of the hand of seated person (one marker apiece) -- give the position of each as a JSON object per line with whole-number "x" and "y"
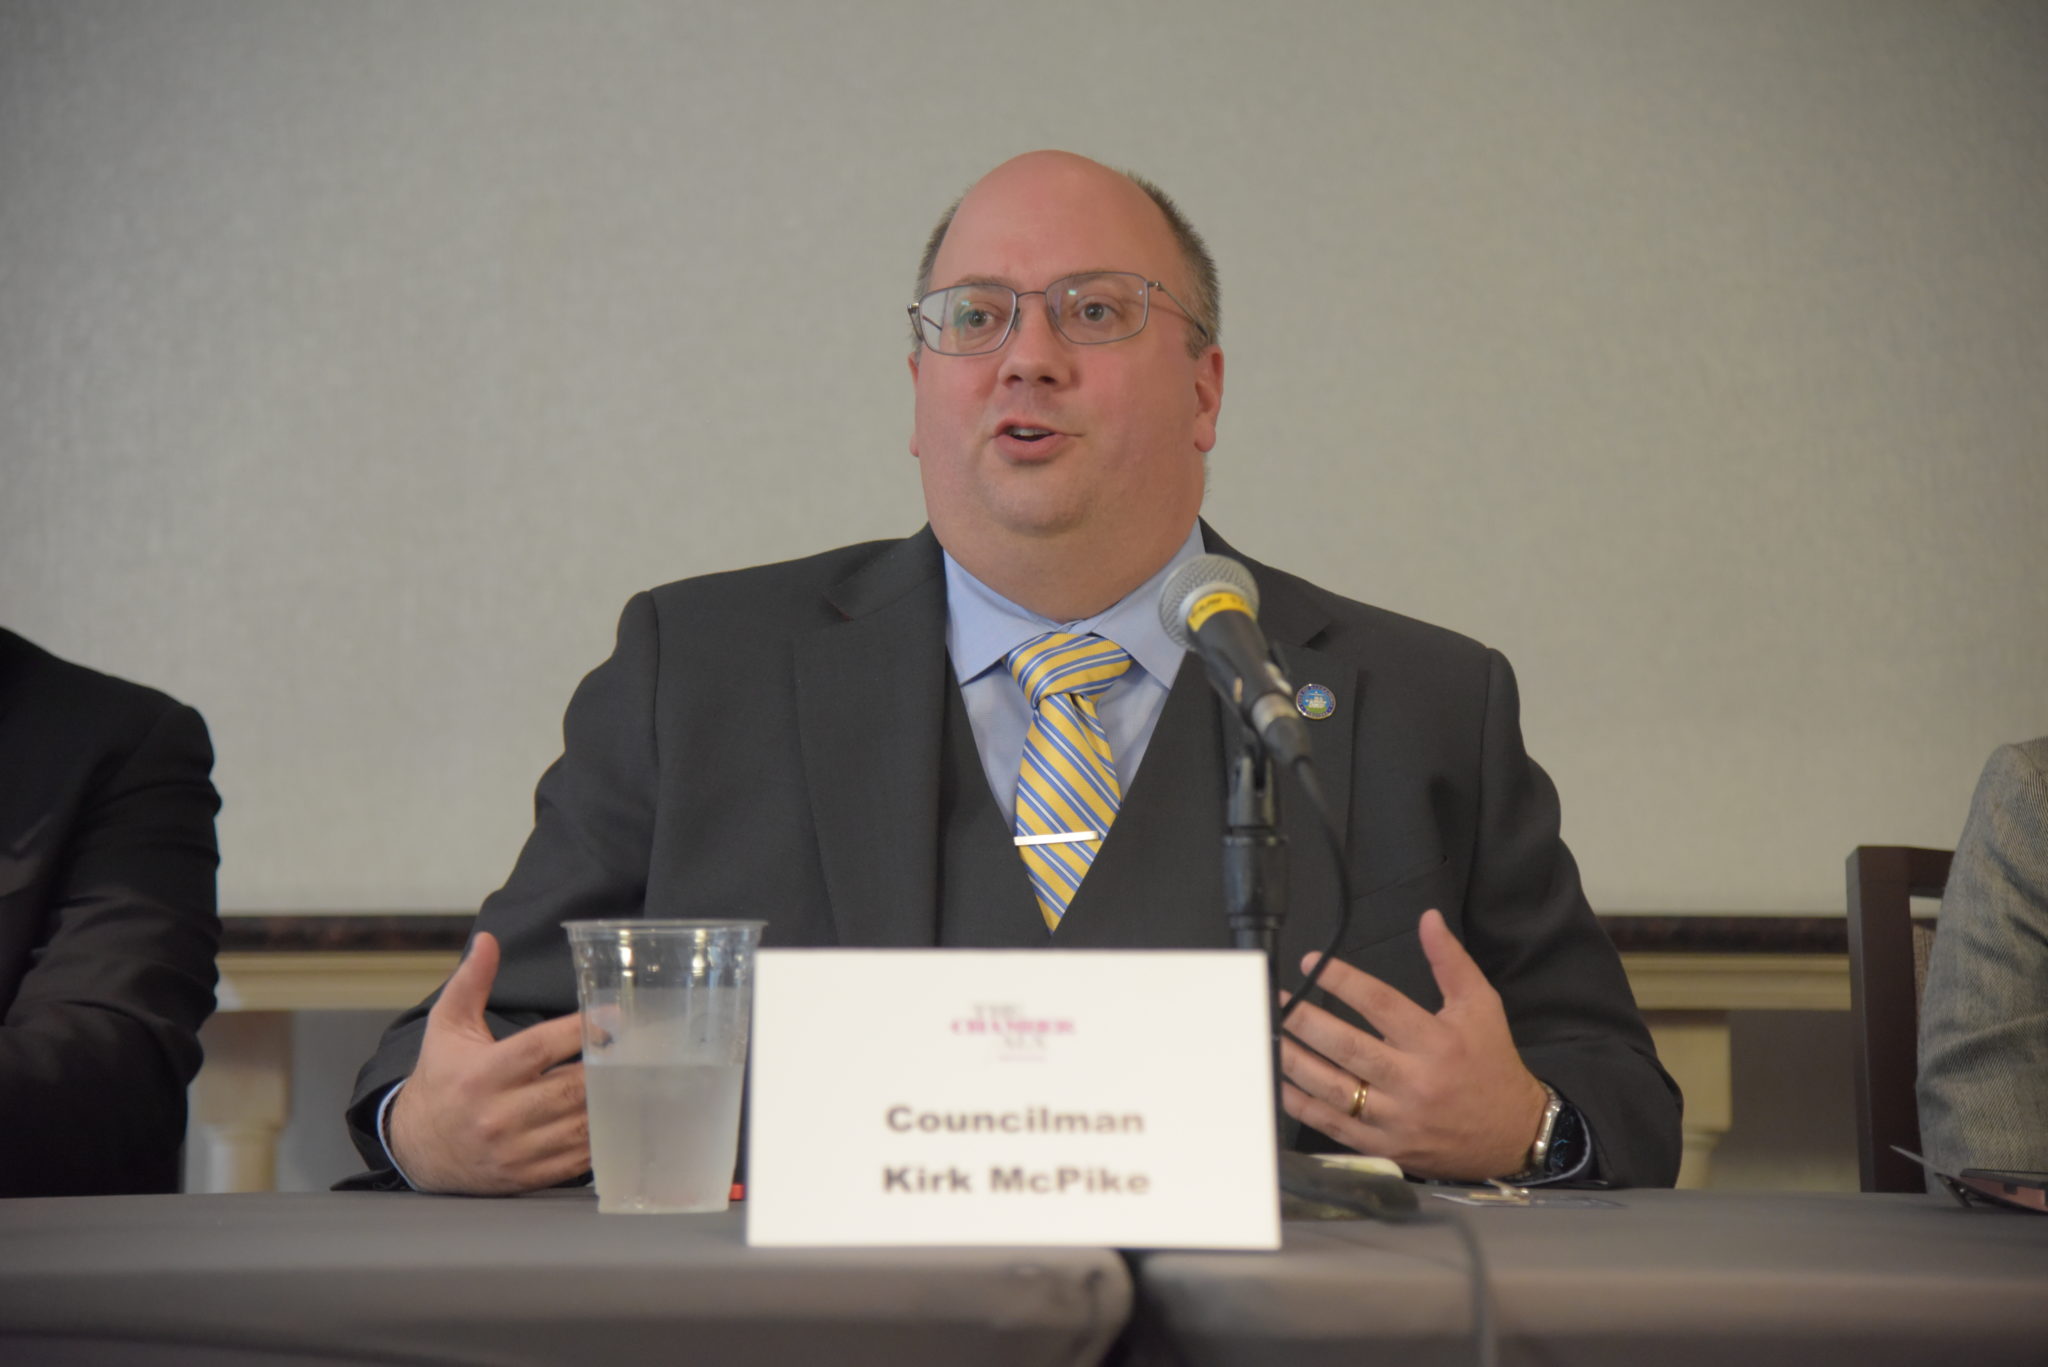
{"x": 484, "y": 1116}
{"x": 1446, "y": 1093}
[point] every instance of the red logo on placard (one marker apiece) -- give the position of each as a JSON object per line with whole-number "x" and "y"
{"x": 1015, "y": 1032}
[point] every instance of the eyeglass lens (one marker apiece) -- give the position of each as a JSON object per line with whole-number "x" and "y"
{"x": 964, "y": 320}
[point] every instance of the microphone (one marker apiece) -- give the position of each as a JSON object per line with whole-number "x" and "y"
{"x": 1210, "y": 606}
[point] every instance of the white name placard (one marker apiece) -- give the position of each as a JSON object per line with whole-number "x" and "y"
{"x": 1003, "y": 1097}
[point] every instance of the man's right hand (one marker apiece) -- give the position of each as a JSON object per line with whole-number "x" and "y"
{"x": 484, "y": 1116}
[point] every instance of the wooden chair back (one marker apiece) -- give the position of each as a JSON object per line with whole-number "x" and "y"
{"x": 1887, "y": 971}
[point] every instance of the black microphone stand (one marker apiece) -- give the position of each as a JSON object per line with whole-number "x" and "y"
{"x": 1255, "y": 874}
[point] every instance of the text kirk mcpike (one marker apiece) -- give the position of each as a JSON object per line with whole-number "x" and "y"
{"x": 917, "y": 1179}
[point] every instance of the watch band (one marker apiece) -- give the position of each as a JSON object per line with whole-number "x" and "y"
{"x": 1538, "y": 1161}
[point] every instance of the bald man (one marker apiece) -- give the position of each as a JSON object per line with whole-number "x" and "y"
{"x": 1068, "y": 380}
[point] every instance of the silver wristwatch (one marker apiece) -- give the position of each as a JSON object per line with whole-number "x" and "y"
{"x": 1539, "y": 1149}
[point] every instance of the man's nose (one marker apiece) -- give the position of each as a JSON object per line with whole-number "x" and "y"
{"x": 1036, "y": 353}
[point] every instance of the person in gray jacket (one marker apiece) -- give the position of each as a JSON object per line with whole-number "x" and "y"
{"x": 1984, "y": 1018}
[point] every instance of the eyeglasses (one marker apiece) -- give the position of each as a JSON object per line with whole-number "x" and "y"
{"x": 1089, "y": 310}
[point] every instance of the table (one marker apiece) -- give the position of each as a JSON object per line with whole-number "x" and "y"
{"x": 1667, "y": 1277}
{"x": 1689, "y": 971}
{"x": 1671, "y": 1278}
{"x": 324, "y": 1279}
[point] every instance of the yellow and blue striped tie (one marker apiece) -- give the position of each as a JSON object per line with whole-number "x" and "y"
{"x": 1067, "y": 792}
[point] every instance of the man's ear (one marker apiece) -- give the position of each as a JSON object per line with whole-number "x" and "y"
{"x": 1208, "y": 396}
{"x": 912, "y": 359}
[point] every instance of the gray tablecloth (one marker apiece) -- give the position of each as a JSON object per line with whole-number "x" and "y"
{"x": 1665, "y": 1278}
{"x": 315, "y": 1280}
{"x": 1670, "y": 1278}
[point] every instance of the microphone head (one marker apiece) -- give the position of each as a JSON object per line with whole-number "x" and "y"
{"x": 1186, "y": 586}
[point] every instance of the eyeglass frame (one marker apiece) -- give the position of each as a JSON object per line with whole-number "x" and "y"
{"x": 918, "y": 317}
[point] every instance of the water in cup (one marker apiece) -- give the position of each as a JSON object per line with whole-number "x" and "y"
{"x": 663, "y": 1137}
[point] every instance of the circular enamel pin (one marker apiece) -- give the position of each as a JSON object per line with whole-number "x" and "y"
{"x": 1315, "y": 702}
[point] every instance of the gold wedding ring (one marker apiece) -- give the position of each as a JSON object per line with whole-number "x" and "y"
{"x": 1358, "y": 1100}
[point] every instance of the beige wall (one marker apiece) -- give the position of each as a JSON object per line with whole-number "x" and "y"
{"x": 358, "y": 360}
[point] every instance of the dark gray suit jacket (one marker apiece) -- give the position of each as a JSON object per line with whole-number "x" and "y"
{"x": 107, "y": 926}
{"x": 787, "y": 742}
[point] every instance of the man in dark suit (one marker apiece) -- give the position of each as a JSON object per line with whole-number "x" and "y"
{"x": 835, "y": 745}
{"x": 107, "y": 926}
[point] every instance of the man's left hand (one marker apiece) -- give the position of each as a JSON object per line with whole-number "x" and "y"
{"x": 1447, "y": 1095}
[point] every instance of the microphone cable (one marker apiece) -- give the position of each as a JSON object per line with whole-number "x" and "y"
{"x": 1311, "y": 787}
{"x": 1485, "y": 1339}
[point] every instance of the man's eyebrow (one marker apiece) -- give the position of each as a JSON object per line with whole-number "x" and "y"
{"x": 1066, "y": 275}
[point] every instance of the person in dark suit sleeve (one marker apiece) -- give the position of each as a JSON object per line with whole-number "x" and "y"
{"x": 108, "y": 928}
{"x": 809, "y": 743}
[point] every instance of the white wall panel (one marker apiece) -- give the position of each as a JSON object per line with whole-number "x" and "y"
{"x": 358, "y": 360}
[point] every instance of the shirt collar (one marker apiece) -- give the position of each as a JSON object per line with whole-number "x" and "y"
{"x": 983, "y": 627}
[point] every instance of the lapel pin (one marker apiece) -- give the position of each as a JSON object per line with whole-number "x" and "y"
{"x": 1315, "y": 702}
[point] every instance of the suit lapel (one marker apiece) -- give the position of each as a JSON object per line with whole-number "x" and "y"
{"x": 1313, "y": 889}
{"x": 870, "y": 703}
{"x": 1293, "y": 621}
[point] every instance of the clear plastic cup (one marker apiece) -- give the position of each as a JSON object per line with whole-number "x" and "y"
{"x": 666, "y": 1007}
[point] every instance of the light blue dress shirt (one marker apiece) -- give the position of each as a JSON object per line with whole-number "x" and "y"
{"x": 983, "y": 627}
